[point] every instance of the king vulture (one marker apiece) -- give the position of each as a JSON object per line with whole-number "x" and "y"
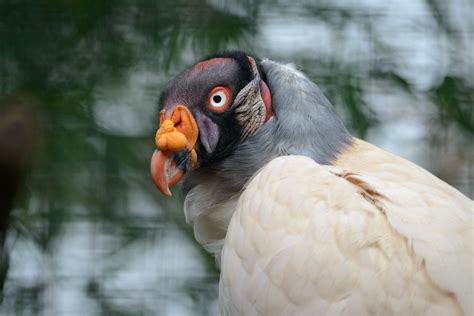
{"x": 303, "y": 218}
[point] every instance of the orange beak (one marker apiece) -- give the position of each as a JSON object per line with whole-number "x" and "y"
{"x": 178, "y": 131}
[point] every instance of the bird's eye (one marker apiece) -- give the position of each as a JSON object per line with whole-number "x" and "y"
{"x": 219, "y": 99}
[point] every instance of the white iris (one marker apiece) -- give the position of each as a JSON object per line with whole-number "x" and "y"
{"x": 218, "y": 99}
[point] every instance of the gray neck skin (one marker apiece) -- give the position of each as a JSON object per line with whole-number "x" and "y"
{"x": 304, "y": 123}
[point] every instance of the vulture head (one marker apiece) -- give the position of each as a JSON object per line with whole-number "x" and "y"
{"x": 228, "y": 115}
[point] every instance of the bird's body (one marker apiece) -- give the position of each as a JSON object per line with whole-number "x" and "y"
{"x": 353, "y": 241}
{"x": 308, "y": 220}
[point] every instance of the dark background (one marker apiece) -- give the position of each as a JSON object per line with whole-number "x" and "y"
{"x": 79, "y": 81}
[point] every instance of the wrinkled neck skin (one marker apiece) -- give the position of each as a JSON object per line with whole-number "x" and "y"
{"x": 304, "y": 123}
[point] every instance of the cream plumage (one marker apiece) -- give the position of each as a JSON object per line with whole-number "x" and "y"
{"x": 328, "y": 224}
{"x": 339, "y": 240}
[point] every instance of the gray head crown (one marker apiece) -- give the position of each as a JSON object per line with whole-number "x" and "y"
{"x": 303, "y": 123}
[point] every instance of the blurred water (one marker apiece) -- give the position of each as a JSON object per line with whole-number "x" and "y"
{"x": 90, "y": 234}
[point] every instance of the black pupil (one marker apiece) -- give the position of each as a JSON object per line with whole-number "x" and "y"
{"x": 217, "y": 99}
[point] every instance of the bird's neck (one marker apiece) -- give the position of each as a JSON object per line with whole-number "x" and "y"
{"x": 209, "y": 207}
{"x": 304, "y": 123}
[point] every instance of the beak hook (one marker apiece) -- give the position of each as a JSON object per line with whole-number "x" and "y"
{"x": 178, "y": 131}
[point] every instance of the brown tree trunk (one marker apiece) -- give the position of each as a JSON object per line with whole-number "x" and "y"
{"x": 18, "y": 137}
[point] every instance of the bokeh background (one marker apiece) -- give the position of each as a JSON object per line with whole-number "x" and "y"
{"x": 79, "y": 81}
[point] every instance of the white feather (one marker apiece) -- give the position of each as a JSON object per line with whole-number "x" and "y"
{"x": 311, "y": 239}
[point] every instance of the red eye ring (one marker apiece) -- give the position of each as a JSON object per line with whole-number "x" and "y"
{"x": 219, "y": 99}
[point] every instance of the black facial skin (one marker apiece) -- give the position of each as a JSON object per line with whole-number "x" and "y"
{"x": 191, "y": 89}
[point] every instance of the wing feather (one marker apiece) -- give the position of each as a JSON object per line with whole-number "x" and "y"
{"x": 438, "y": 227}
{"x": 307, "y": 239}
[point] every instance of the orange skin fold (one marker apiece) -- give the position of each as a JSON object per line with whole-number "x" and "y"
{"x": 178, "y": 131}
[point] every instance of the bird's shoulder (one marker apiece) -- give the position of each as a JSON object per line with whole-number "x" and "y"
{"x": 333, "y": 229}
{"x": 434, "y": 217}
